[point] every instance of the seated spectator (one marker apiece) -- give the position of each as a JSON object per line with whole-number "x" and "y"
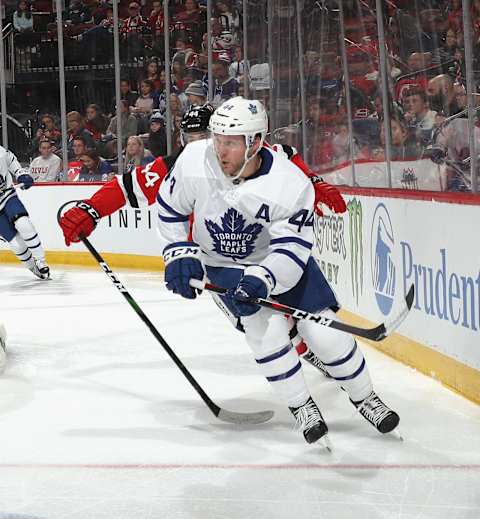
{"x": 22, "y": 17}
{"x": 157, "y": 138}
{"x": 224, "y": 86}
{"x": 101, "y": 11}
{"x": 178, "y": 72}
{"x": 136, "y": 154}
{"x": 441, "y": 95}
{"x": 223, "y": 44}
{"x": 228, "y": 16}
{"x": 404, "y": 145}
{"x": 361, "y": 105}
{"x": 176, "y": 107}
{"x": 145, "y": 103}
{"x": 47, "y": 131}
{"x": 363, "y": 69}
{"x": 47, "y": 166}
{"x": 129, "y": 125}
{"x": 417, "y": 62}
{"x": 190, "y": 14}
{"x": 76, "y": 128}
{"x": 417, "y": 113}
{"x": 341, "y": 143}
{"x": 156, "y": 20}
{"x": 79, "y": 148}
{"x": 132, "y": 30}
{"x": 217, "y": 46}
{"x": 434, "y": 25}
{"x": 378, "y": 106}
{"x": 237, "y": 67}
{"x": 448, "y": 52}
{"x": 181, "y": 45}
{"x": 195, "y": 93}
{"x": 460, "y": 95}
{"x": 95, "y": 121}
{"x": 78, "y": 13}
{"x": 94, "y": 169}
{"x": 454, "y": 141}
{"x": 321, "y": 154}
{"x": 455, "y": 14}
{"x": 152, "y": 73}
{"x": 125, "y": 93}
{"x": 97, "y": 42}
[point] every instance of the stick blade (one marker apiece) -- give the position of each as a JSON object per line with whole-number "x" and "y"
{"x": 376, "y": 334}
{"x": 410, "y": 296}
{"x": 245, "y": 418}
{"x": 394, "y": 322}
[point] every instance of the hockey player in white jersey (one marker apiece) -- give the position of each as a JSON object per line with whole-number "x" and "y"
{"x": 253, "y": 234}
{"x": 16, "y": 228}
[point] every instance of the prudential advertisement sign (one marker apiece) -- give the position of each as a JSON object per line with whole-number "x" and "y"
{"x": 400, "y": 242}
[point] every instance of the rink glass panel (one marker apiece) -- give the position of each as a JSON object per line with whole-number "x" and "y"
{"x": 422, "y": 42}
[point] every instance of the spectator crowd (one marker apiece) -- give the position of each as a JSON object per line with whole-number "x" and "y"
{"x": 426, "y": 79}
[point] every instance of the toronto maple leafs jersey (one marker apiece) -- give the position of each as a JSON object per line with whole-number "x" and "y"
{"x": 10, "y": 168}
{"x": 265, "y": 220}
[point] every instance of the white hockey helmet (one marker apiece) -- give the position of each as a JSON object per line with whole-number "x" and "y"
{"x": 240, "y": 116}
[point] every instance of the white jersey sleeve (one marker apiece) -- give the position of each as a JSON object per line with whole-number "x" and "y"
{"x": 175, "y": 204}
{"x": 10, "y": 169}
{"x": 12, "y": 164}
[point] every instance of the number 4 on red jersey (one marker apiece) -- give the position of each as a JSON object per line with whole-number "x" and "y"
{"x": 138, "y": 188}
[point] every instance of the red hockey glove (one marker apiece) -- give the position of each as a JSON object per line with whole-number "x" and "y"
{"x": 328, "y": 195}
{"x": 81, "y": 220}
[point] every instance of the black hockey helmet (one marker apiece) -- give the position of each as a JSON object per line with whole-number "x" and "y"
{"x": 194, "y": 125}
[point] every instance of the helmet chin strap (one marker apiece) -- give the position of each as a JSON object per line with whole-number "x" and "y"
{"x": 247, "y": 159}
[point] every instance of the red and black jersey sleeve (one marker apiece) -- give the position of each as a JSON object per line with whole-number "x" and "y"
{"x": 138, "y": 188}
{"x": 293, "y": 156}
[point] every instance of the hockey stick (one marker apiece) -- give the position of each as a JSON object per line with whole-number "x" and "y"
{"x": 378, "y": 333}
{"x": 219, "y": 412}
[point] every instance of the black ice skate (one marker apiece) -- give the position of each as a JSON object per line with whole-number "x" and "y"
{"x": 377, "y": 413}
{"x": 310, "y": 421}
{"x": 312, "y": 359}
{"x": 41, "y": 270}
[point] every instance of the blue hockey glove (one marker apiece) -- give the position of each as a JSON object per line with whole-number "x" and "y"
{"x": 182, "y": 264}
{"x": 26, "y": 180}
{"x": 256, "y": 283}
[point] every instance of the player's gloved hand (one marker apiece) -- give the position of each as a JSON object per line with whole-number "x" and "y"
{"x": 26, "y": 180}
{"x": 182, "y": 264}
{"x": 78, "y": 221}
{"x": 328, "y": 195}
{"x": 256, "y": 283}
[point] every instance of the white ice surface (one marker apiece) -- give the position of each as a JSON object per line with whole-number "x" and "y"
{"x": 97, "y": 422}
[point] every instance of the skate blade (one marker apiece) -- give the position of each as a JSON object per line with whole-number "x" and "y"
{"x": 396, "y": 434}
{"x": 325, "y": 442}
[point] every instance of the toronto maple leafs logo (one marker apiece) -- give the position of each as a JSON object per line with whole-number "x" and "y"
{"x": 252, "y": 108}
{"x": 233, "y": 239}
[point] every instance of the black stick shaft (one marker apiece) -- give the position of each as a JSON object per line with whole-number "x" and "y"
{"x": 375, "y": 334}
{"x": 131, "y": 301}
